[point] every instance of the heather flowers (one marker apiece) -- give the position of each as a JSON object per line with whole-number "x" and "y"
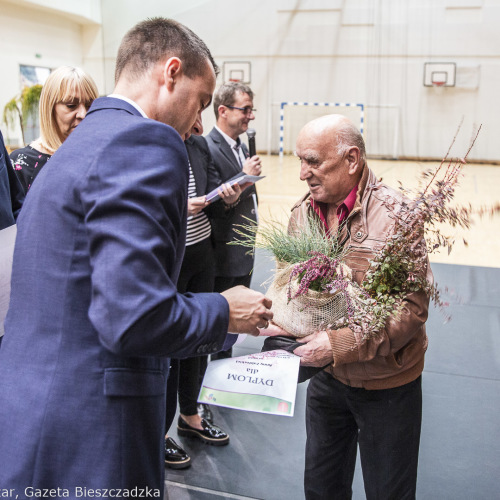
{"x": 318, "y": 273}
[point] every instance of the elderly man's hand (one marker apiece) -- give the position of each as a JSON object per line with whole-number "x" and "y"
{"x": 248, "y": 310}
{"x": 317, "y": 351}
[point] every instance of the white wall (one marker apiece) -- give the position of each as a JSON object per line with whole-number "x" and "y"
{"x": 81, "y": 11}
{"x": 366, "y": 51}
{"x": 38, "y": 37}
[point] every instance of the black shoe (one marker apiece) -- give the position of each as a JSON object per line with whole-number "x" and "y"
{"x": 210, "y": 434}
{"x": 175, "y": 456}
{"x": 205, "y": 412}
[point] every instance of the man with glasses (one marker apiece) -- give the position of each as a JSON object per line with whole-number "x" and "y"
{"x": 233, "y": 106}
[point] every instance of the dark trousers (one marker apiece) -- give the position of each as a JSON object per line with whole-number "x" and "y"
{"x": 385, "y": 423}
{"x": 197, "y": 275}
{"x": 222, "y": 283}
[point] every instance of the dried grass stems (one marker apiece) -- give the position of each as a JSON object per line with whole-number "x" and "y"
{"x": 290, "y": 248}
{"x": 419, "y": 216}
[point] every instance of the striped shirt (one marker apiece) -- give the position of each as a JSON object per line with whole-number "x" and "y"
{"x": 198, "y": 226}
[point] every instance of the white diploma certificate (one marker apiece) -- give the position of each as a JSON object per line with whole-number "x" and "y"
{"x": 243, "y": 179}
{"x": 265, "y": 382}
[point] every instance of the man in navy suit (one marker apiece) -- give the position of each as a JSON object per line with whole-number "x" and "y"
{"x": 94, "y": 313}
{"x": 233, "y": 106}
{"x": 11, "y": 191}
{"x": 11, "y": 201}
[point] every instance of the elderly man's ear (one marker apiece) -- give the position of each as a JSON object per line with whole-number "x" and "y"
{"x": 353, "y": 161}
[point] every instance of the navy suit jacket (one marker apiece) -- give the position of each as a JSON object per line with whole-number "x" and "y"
{"x": 11, "y": 191}
{"x": 94, "y": 311}
{"x": 231, "y": 260}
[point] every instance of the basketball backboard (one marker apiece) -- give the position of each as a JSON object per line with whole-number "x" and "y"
{"x": 236, "y": 71}
{"x": 439, "y": 74}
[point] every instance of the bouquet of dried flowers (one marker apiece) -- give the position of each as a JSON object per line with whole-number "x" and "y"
{"x": 313, "y": 288}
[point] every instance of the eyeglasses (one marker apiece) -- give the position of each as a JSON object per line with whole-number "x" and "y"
{"x": 246, "y": 110}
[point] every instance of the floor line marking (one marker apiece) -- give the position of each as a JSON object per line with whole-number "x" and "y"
{"x": 474, "y": 377}
{"x": 220, "y": 494}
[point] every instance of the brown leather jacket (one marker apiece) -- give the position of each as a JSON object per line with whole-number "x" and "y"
{"x": 396, "y": 356}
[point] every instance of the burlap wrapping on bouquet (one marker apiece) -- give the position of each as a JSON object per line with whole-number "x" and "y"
{"x": 307, "y": 313}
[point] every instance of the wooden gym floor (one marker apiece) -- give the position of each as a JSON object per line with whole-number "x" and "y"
{"x": 480, "y": 186}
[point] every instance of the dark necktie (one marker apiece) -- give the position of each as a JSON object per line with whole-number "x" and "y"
{"x": 237, "y": 147}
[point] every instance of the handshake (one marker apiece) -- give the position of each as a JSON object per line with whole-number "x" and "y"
{"x": 249, "y": 312}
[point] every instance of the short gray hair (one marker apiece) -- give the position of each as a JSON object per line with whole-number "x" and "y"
{"x": 347, "y": 136}
{"x": 226, "y": 95}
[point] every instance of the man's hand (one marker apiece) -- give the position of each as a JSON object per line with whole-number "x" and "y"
{"x": 252, "y": 166}
{"x": 317, "y": 351}
{"x": 196, "y": 205}
{"x": 273, "y": 330}
{"x": 248, "y": 310}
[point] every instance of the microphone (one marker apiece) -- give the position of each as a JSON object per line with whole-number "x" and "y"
{"x": 251, "y": 141}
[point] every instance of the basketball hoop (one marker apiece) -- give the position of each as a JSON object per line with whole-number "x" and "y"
{"x": 439, "y": 74}
{"x": 236, "y": 71}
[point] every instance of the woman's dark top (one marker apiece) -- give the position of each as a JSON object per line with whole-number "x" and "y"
{"x": 27, "y": 163}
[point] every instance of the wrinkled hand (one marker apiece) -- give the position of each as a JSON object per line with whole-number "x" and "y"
{"x": 248, "y": 310}
{"x": 196, "y": 205}
{"x": 273, "y": 330}
{"x": 252, "y": 166}
{"x": 317, "y": 351}
{"x": 229, "y": 194}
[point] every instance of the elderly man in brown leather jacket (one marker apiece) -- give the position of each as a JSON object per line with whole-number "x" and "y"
{"x": 370, "y": 393}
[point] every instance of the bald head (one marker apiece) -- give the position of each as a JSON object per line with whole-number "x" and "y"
{"x": 338, "y": 132}
{"x": 332, "y": 157}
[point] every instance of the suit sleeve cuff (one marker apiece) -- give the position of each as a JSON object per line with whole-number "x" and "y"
{"x": 230, "y": 340}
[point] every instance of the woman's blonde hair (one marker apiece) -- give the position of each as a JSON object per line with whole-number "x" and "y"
{"x": 63, "y": 85}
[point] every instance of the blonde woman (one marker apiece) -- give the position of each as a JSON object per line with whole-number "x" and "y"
{"x": 65, "y": 99}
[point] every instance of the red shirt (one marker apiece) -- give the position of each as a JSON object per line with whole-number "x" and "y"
{"x": 343, "y": 210}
